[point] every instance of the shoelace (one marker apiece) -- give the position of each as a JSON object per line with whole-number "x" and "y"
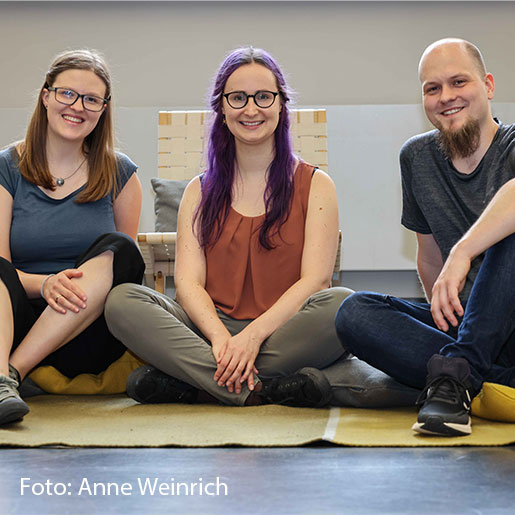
{"x": 293, "y": 384}
{"x": 445, "y": 389}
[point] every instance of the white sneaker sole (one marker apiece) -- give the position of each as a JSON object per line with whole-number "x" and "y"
{"x": 436, "y": 427}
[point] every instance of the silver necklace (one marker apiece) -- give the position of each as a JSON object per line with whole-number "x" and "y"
{"x": 60, "y": 180}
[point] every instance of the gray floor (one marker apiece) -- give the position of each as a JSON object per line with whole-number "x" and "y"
{"x": 309, "y": 480}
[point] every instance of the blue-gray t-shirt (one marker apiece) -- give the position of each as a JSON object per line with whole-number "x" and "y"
{"x": 48, "y": 235}
{"x": 440, "y": 200}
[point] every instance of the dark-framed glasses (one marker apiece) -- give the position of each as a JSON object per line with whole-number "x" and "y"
{"x": 239, "y": 99}
{"x": 68, "y": 97}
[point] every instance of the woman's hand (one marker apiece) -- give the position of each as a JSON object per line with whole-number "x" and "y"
{"x": 445, "y": 302}
{"x": 218, "y": 344}
{"x": 236, "y": 362}
{"x": 62, "y": 294}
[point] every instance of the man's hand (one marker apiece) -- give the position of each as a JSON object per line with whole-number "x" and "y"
{"x": 445, "y": 303}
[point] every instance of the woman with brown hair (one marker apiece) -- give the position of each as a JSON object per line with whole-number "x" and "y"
{"x": 69, "y": 213}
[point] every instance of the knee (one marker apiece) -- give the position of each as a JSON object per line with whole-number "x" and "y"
{"x": 340, "y": 295}
{"x": 352, "y": 314}
{"x": 117, "y": 306}
{"x": 128, "y": 265}
{"x": 349, "y": 310}
{"x": 328, "y": 301}
{"x": 120, "y": 243}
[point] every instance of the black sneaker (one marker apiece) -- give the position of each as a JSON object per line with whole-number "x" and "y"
{"x": 307, "y": 388}
{"x": 446, "y": 398}
{"x": 149, "y": 385}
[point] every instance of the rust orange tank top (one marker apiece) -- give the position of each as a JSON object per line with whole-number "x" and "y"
{"x": 243, "y": 278}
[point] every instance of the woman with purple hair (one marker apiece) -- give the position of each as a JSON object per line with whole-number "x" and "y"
{"x": 253, "y": 320}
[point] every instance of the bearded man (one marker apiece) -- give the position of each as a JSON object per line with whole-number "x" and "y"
{"x": 465, "y": 334}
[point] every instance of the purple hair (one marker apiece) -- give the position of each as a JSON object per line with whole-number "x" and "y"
{"x": 217, "y": 181}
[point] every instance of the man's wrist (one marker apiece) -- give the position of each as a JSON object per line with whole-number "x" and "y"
{"x": 463, "y": 250}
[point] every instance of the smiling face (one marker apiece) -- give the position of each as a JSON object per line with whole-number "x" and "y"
{"x": 252, "y": 125}
{"x": 455, "y": 92}
{"x": 73, "y": 122}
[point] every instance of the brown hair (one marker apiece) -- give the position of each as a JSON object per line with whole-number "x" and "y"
{"x": 98, "y": 145}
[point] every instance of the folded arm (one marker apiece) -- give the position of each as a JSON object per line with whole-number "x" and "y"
{"x": 495, "y": 223}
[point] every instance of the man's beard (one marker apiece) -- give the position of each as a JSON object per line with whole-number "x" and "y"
{"x": 461, "y": 143}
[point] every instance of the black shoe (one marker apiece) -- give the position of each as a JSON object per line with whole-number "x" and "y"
{"x": 307, "y": 388}
{"x": 446, "y": 398}
{"x": 149, "y": 385}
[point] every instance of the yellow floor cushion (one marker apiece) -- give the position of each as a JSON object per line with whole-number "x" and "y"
{"x": 111, "y": 381}
{"x": 495, "y": 402}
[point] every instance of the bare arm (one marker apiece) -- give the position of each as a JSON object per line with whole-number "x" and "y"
{"x": 429, "y": 262}
{"x": 190, "y": 273}
{"x": 6, "y": 210}
{"x": 127, "y": 208}
{"x": 495, "y": 223}
{"x": 31, "y": 282}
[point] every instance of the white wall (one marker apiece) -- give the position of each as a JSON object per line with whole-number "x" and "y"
{"x": 336, "y": 53}
{"x": 357, "y": 59}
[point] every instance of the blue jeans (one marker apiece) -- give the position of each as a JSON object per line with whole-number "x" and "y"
{"x": 399, "y": 337}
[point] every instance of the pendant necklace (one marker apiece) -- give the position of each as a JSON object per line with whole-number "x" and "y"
{"x": 60, "y": 180}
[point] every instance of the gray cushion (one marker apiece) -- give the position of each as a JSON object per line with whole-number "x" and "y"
{"x": 166, "y": 204}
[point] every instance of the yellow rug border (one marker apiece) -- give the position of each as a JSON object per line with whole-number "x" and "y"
{"x": 392, "y": 428}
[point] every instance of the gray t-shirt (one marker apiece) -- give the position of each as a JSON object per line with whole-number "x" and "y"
{"x": 48, "y": 235}
{"x": 439, "y": 200}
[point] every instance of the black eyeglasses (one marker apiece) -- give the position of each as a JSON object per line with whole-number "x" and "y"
{"x": 239, "y": 99}
{"x": 69, "y": 97}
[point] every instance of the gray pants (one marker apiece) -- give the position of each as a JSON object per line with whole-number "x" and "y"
{"x": 158, "y": 330}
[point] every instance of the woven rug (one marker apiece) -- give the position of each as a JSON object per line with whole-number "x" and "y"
{"x": 117, "y": 421}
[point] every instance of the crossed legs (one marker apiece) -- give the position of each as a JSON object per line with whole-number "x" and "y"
{"x": 159, "y": 331}
{"x": 399, "y": 337}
